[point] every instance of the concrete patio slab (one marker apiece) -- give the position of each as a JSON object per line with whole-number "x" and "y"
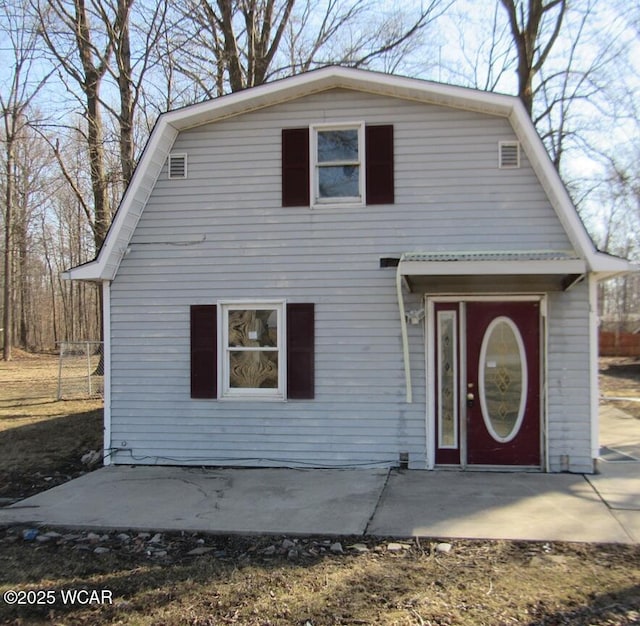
{"x": 618, "y": 484}
{"x": 338, "y": 502}
{"x": 487, "y": 505}
{"x": 630, "y": 521}
{"x": 619, "y": 431}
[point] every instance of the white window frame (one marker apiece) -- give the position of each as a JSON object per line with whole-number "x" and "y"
{"x": 316, "y": 200}
{"x": 226, "y": 391}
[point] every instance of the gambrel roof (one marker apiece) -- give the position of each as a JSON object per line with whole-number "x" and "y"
{"x": 168, "y": 125}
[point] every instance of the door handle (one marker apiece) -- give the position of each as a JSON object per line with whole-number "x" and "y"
{"x": 470, "y": 399}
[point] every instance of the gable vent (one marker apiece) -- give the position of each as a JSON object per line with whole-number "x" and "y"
{"x": 177, "y": 166}
{"x": 509, "y": 154}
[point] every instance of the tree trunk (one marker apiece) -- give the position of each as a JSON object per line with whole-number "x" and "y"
{"x": 20, "y": 237}
{"x": 95, "y": 139}
{"x": 7, "y": 317}
{"x": 526, "y": 33}
{"x": 52, "y": 283}
{"x": 125, "y": 85}
{"x": 95, "y": 144}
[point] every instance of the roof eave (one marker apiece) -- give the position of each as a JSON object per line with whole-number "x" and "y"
{"x": 551, "y": 182}
{"x": 339, "y": 77}
{"x": 116, "y": 243}
{"x": 605, "y": 266}
{"x": 90, "y": 271}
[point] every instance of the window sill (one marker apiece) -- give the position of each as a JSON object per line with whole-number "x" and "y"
{"x": 347, "y": 204}
{"x": 252, "y": 398}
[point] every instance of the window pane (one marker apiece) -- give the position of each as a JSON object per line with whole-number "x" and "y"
{"x": 341, "y": 181}
{"x": 337, "y": 145}
{"x": 447, "y": 365}
{"x": 253, "y": 369}
{"x": 255, "y": 328}
{"x": 502, "y": 380}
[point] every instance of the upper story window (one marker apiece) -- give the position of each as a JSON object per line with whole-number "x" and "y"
{"x": 338, "y": 164}
{"x": 338, "y": 173}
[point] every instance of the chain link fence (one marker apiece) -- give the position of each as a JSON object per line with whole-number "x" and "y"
{"x": 80, "y": 370}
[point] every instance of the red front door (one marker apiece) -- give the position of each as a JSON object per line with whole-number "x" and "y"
{"x": 503, "y": 376}
{"x": 494, "y": 416}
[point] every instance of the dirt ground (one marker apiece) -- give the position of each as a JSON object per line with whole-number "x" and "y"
{"x": 42, "y": 439}
{"x": 313, "y": 581}
{"x": 69, "y": 577}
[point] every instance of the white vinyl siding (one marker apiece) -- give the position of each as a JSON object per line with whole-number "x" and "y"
{"x": 222, "y": 234}
{"x": 568, "y": 380}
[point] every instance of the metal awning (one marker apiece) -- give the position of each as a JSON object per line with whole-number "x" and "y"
{"x": 494, "y": 272}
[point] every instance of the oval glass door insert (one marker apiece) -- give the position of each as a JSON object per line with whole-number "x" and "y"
{"x": 502, "y": 379}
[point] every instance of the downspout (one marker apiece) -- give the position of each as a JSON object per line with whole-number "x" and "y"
{"x": 405, "y": 335}
{"x": 106, "y": 347}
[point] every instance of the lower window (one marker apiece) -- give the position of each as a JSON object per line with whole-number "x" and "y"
{"x": 253, "y": 350}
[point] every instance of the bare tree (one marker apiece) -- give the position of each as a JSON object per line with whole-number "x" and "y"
{"x": 131, "y": 62}
{"x": 561, "y": 59}
{"x": 32, "y": 187}
{"x": 578, "y": 95}
{"x": 16, "y": 97}
{"x": 119, "y": 63}
{"x": 95, "y": 42}
{"x": 70, "y": 241}
{"x": 83, "y": 54}
{"x": 483, "y": 56}
{"x": 229, "y": 45}
{"x": 535, "y": 27}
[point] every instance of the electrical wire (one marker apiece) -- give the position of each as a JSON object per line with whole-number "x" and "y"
{"x": 282, "y": 463}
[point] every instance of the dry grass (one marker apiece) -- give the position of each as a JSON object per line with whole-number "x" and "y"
{"x": 41, "y": 439}
{"x": 492, "y": 583}
{"x": 620, "y": 377}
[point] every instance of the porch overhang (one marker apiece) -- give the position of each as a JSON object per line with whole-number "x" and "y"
{"x": 504, "y": 272}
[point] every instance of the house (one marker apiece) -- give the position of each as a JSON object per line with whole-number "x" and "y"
{"x": 350, "y": 269}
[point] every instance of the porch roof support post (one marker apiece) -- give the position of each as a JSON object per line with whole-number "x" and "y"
{"x": 405, "y": 336}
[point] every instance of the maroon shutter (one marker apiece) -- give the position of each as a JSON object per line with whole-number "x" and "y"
{"x": 379, "y": 164}
{"x": 204, "y": 359}
{"x": 295, "y": 167}
{"x": 300, "y": 351}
